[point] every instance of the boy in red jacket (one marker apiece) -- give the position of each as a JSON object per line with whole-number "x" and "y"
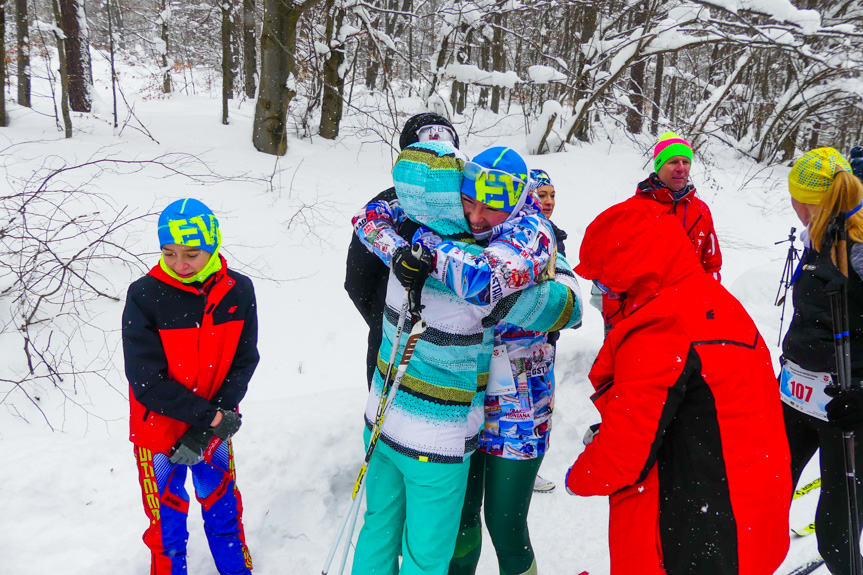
{"x": 190, "y": 334}
{"x": 669, "y": 186}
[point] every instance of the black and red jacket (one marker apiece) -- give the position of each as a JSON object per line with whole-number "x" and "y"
{"x": 189, "y": 350}
{"x": 692, "y": 447}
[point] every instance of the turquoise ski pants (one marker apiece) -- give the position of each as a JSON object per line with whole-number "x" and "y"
{"x": 413, "y": 509}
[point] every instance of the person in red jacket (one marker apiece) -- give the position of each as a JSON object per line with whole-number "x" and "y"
{"x": 691, "y": 448}
{"x": 190, "y": 334}
{"x": 669, "y": 187}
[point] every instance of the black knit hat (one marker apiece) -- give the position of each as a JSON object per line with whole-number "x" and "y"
{"x": 409, "y": 132}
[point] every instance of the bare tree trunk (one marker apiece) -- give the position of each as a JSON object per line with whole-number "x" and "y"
{"x": 788, "y": 145}
{"x": 711, "y": 71}
{"x": 543, "y": 142}
{"x": 250, "y": 61}
{"x": 4, "y": 120}
{"x": 236, "y": 43}
{"x": 590, "y": 19}
{"x": 111, "y": 52}
{"x": 482, "y": 102}
{"x": 462, "y": 56}
{"x": 441, "y": 59}
{"x": 671, "y": 106}
{"x": 74, "y": 25}
{"x": 23, "y": 37}
{"x": 813, "y": 140}
{"x": 118, "y": 19}
{"x": 636, "y": 98}
{"x": 636, "y": 84}
{"x": 498, "y": 58}
{"x": 64, "y": 74}
{"x": 226, "y": 7}
{"x": 164, "y": 8}
{"x": 453, "y": 96}
{"x": 373, "y": 65}
{"x": 334, "y": 83}
{"x": 657, "y": 94}
{"x": 396, "y": 25}
{"x": 278, "y": 60}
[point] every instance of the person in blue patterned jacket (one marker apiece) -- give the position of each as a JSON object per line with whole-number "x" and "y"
{"x": 518, "y": 406}
{"x": 417, "y": 478}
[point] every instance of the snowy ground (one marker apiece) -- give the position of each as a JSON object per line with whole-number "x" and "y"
{"x": 71, "y": 501}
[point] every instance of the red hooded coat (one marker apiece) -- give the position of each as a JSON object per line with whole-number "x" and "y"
{"x": 692, "y": 446}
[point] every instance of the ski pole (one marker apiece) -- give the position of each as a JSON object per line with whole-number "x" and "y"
{"x": 412, "y": 295}
{"x": 335, "y": 546}
{"x": 355, "y": 511}
{"x": 397, "y": 340}
{"x": 842, "y": 348}
{"x": 417, "y": 331}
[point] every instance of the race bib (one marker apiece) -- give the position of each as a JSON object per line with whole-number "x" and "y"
{"x": 804, "y": 390}
{"x": 500, "y": 380}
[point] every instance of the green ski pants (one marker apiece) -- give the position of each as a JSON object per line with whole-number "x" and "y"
{"x": 508, "y": 488}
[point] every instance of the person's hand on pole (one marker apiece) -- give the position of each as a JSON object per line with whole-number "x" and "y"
{"x": 845, "y": 410}
{"x": 412, "y": 264}
{"x": 412, "y": 267}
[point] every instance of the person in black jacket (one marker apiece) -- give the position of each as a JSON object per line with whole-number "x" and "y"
{"x": 365, "y": 275}
{"x": 821, "y": 186}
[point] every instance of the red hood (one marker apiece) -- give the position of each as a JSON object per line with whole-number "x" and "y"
{"x": 638, "y": 249}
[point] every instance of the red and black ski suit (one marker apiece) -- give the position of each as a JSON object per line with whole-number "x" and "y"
{"x": 697, "y": 222}
{"x": 189, "y": 351}
{"x": 691, "y": 449}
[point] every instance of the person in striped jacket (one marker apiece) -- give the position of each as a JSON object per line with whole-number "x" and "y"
{"x": 418, "y": 475}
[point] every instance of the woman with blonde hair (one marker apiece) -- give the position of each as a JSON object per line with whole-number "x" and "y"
{"x": 822, "y": 186}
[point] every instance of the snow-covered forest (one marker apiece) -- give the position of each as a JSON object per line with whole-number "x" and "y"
{"x": 283, "y": 116}
{"x": 765, "y": 77}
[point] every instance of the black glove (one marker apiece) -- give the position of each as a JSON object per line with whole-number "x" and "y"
{"x": 230, "y": 424}
{"x": 190, "y": 448}
{"x": 412, "y": 265}
{"x": 845, "y": 410}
